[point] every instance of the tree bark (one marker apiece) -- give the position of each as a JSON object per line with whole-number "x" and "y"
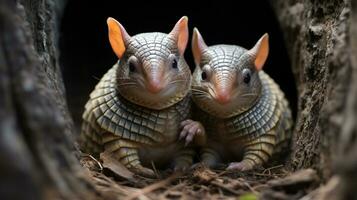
{"x": 36, "y": 144}
{"x": 318, "y": 42}
{"x": 346, "y": 164}
{"x": 321, "y": 38}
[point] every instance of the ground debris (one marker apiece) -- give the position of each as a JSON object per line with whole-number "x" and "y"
{"x": 115, "y": 166}
{"x": 329, "y": 191}
{"x": 202, "y": 183}
{"x": 88, "y": 161}
{"x": 302, "y": 177}
{"x": 293, "y": 186}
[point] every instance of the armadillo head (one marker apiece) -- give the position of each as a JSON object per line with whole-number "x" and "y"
{"x": 152, "y": 70}
{"x": 226, "y": 81}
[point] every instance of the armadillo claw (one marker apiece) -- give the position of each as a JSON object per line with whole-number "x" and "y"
{"x": 192, "y": 130}
{"x": 143, "y": 171}
{"x": 181, "y": 167}
{"x": 240, "y": 166}
{"x": 199, "y": 165}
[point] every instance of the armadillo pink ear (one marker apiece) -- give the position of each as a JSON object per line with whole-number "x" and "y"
{"x": 180, "y": 34}
{"x": 260, "y": 51}
{"x": 198, "y": 46}
{"x": 118, "y": 37}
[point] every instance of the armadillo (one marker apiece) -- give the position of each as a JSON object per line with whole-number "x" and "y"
{"x": 243, "y": 111}
{"x": 136, "y": 109}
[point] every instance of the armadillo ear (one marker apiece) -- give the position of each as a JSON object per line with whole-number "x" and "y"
{"x": 118, "y": 36}
{"x": 198, "y": 46}
{"x": 260, "y": 51}
{"x": 180, "y": 34}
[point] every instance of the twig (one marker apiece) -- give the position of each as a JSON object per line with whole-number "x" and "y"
{"x": 270, "y": 168}
{"x": 95, "y": 160}
{"x": 176, "y": 187}
{"x": 222, "y": 173}
{"x": 220, "y": 185}
{"x": 250, "y": 188}
{"x": 260, "y": 174}
{"x": 155, "y": 170}
{"x": 220, "y": 192}
{"x": 153, "y": 187}
{"x": 260, "y": 186}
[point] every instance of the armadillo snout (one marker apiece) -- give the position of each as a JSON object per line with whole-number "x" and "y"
{"x": 155, "y": 86}
{"x": 223, "y": 96}
{"x": 223, "y": 89}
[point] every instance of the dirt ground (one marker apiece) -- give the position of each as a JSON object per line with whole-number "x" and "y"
{"x": 272, "y": 182}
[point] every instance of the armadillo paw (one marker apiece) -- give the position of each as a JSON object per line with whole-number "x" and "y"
{"x": 200, "y": 165}
{"x": 181, "y": 167}
{"x": 190, "y": 130}
{"x": 240, "y": 166}
{"x": 143, "y": 171}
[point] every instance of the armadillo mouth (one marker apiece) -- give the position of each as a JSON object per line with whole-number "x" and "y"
{"x": 220, "y": 110}
{"x": 165, "y": 94}
{"x": 167, "y": 97}
{"x": 212, "y": 106}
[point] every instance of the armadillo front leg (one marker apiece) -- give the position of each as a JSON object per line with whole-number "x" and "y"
{"x": 256, "y": 152}
{"x": 184, "y": 159}
{"x": 209, "y": 157}
{"x": 126, "y": 152}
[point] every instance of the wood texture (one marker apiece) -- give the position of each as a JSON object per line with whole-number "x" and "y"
{"x": 318, "y": 41}
{"x": 37, "y": 148}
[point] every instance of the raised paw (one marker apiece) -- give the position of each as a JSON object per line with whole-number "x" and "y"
{"x": 192, "y": 130}
{"x": 143, "y": 171}
{"x": 244, "y": 165}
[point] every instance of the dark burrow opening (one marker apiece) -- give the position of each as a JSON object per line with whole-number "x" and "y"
{"x": 86, "y": 54}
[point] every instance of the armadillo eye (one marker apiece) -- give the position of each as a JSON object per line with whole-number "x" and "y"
{"x": 206, "y": 72}
{"x": 132, "y": 67}
{"x": 133, "y": 64}
{"x": 246, "y": 76}
{"x": 204, "y": 75}
{"x": 174, "y": 64}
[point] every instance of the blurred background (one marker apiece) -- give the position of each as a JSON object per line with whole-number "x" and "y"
{"x": 87, "y": 55}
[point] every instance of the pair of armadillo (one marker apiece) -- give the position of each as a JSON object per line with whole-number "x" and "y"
{"x": 141, "y": 109}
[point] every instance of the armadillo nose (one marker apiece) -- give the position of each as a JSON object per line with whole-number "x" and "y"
{"x": 223, "y": 97}
{"x": 154, "y": 86}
